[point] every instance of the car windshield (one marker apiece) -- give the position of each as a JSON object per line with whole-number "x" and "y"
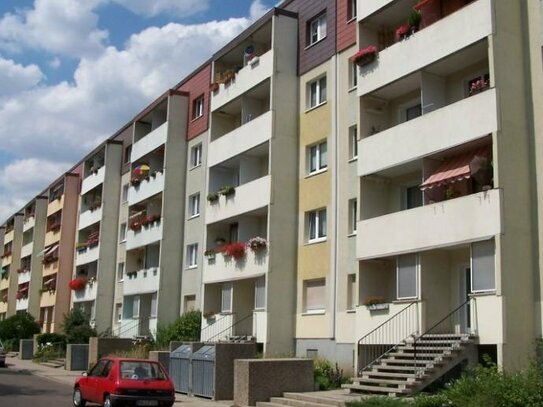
{"x": 141, "y": 371}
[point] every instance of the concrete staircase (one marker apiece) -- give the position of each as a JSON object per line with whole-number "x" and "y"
{"x": 333, "y": 398}
{"x": 55, "y": 363}
{"x": 399, "y": 372}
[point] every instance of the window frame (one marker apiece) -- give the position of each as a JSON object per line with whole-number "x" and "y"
{"x": 353, "y": 142}
{"x": 473, "y": 269}
{"x": 319, "y": 167}
{"x": 417, "y": 278}
{"x": 198, "y": 107}
{"x": 315, "y": 282}
{"x": 353, "y": 215}
{"x": 123, "y": 231}
{"x": 353, "y": 75}
{"x": 227, "y": 286}
{"x": 316, "y": 26}
{"x": 351, "y": 10}
{"x": 124, "y": 194}
{"x": 120, "y": 271}
{"x": 192, "y": 256}
{"x": 196, "y": 155}
{"x": 319, "y": 87}
{"x": 318, "y": 219}
{"x": 194, "y": 205}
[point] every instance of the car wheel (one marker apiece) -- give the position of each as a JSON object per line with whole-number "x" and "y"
{"x": 78, "y": 399}
{"x": 108, "y": 402}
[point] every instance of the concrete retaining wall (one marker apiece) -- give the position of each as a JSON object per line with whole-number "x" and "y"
{"x": 99, "y": 347}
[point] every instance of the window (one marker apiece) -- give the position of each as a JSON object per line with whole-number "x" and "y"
{"x": 413, "y": 197}
{"x": 198, "y": 107}
{"x": 120, "y": 272}
{"x": 127, "y": 153}
{"x": 118, "y": 312}
{"x": 194, "y": 205}
{"x": 353, "y": 213}
{"x": 351, "y": 9}
{"x": 192, "y": 255}
{"x": 483, "y": 278}
{"x": 226, "y": 300}
{"x": 136, "y": 307}
{"x": 314, "y": 296}
{"x": 316, "y": 91}
{"x": 196, "y": 156}
{"x": 353, "y": 75}
{"x": 318, "y": 158}
{"x": 316, "y": 29}
{"x": 154, "y": 305}
{"x": 412, "y": 112}
{"x": 353, "y": 142}
{"x": 190, "y": 303}
{"x": 316, "y": 225}
{"x": 125, "y": 193}
{"x": 406, "y": 276}
{"x": 260, "y": 293}
{"x": 351, "y": 292}
{"x": 122, "y": 232}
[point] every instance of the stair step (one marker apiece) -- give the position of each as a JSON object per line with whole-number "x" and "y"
{"x": 376, "y": 389}
{"x": 54, "y": 365}
{"x": 314, "y": 399}
{"x": 295, "y": 402}
{"x": 411, "y": 348}
{"x": 380, "y": 368}
{"x": 268, "y": 404}
{"x": 387, "y": 374}
{"x": 383, "y": 380}
{"x": 408, "y": 362}
{"x": 430, "y": 356}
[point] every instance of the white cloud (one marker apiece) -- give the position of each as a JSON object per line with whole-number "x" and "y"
{"x": 64, "y": 27}
{"x": 151, "y": 8}
{"x": 257, "y": 10}
{"x": 23, "y": 179}
{"x": 54, "y": 63}
{"x": 16, "y": 78}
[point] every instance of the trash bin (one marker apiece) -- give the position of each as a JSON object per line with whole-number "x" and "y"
{"x": 203, "y": 372}
{"x": 180, "y": 368}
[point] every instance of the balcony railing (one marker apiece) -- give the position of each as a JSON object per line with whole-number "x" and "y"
{"x": 89, "y": 217}
{"x": 147, "y": 187}
{"x": 144, "y": 234}
{"x": 90, "y": 254}
{"x": 149, "y": 142}
{"x": 220, "y": 267}
{"x": 86, "y": 294}
{"x": 26, "y": 250}
{"x": 94, "y": 179}
{"x": 141, "y": 281}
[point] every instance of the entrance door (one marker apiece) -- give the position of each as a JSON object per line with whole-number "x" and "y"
{"x": 465, "y": 291}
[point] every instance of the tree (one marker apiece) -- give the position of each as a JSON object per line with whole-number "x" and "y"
{"x": 17, "y": 327}
{"x": 77, "y": 327}
{"x": 185, "y": 328}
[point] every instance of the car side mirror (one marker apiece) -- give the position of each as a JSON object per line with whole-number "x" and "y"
{"x": 84, "y": 374}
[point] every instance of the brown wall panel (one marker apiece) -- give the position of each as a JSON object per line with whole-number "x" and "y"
{"x": 197, "y": 86}
{"x": 346, "y": 29}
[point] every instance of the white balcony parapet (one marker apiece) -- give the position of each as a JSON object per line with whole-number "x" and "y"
{"x": 21, "y": 304}
{"x": 224, "y": 268}
{"x": 244, "y": 138}
{"x": 260, "y": 325}
{"x": 23, "y": 277}
{"x": 450, "y": 126}
{"x": 29, "y": 223}
{"x": 146, "y": 188}
{"x": 218, "y": 328}
{"x": 397, "y": 61}
{"x": 146, "y": 235}
{"x": 89, "y": 217}
{"x": 93, "y": 180}
{"x": 149, "y": 142}
{"x": 86, "y": 294}
{"x": 26, "y": 250}
{"x": 142, "y": 281}
{"x": 248, "y": 197}
{"x": 247, "y": 78}
{"x": 455, "y": 221}
{"x": 88, "y": 255}
{"x": 367, "y": 8}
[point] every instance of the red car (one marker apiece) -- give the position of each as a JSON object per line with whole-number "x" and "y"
{"x": 127, "y": 382}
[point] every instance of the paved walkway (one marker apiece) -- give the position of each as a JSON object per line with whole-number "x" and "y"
{"x": 67, "y": 377}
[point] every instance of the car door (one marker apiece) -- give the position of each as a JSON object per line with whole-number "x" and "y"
{"x": 87, "y": 384}
{"x": 101, "y": 383}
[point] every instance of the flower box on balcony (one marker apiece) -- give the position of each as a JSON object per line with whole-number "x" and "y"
{"x": 478, "y": 86}
{"x": 227, "y": 190}
{"x": 212, "y": 197}
{"x": 377, "y": 307}
{"x": 236, "y": 250}
{"x": 78, "y": 283}
{"x": 210, "y": 254}
{"x": 256, "y": 244}
{"x": 365, "y": 56}
{"x": 81, "y": 247}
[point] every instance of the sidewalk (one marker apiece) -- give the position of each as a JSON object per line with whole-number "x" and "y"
{"x": 67, "y": 377}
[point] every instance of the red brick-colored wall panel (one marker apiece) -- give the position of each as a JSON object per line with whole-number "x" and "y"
{"x": 197, "y": 86}
{"x": 346, "y": 28}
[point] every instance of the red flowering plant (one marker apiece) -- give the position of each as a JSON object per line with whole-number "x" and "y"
{"x": 7, "y": 253}
{"x": 402, "y": 32}
{"x": 478, "y": 86}
{"x": 236, "y": 250}
{"x": 78, "y": 283}
{"x": 365, "y": 56}
{"x": 21, "y": 295}
{"x": 135, "y": 224}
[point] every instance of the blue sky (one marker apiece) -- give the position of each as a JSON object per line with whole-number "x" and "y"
{"x": 74, "y": 71}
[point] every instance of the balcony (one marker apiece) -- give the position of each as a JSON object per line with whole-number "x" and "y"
{"x": 225, "y": 268}
{"x": 55, "y": 205}
{"x": 367, "y": 8}
{"x": 89, "y": 217}
{"x": 218, "y": 327}
{"x": 24, "y": 277}
{"x": 247, "y": 197}
{"x": 141, "y": 281}
{"x": 244, "y": 138}
{"x": 48, "y": 299}
{"x": 148, "y": 234}
{"x": 26, "y": 250}
{"x": 146, "y": 189}
{"x": 86, "y": 294}
{"x": 21, "y": 304}
{"x": 259, "y": 69}
{"x": 418, "y": 51}
{"x": 29, "y": 223}
{"x": 8, "y": 236}
{"x": 149, "y": 142}
{"x": 6, "y": 260}
{"x": 260, "y": 325}
{"x": 469, "y": 218}
{"x": 452, "y": 125}
{"x": 88, "y": 255}
{"x": 93, "y": 180}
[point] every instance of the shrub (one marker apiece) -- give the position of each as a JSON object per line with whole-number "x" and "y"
{"x": 76, "y": 326}
{"x": 17, "y": 327}
{"x": 186, "y": 328}
{"x": 378, "y": 401}
{"x": 326, "y": 376}
{"x": 53, "y": 338}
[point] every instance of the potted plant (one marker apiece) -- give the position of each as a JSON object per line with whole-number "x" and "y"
{"x": 365, "y": 56}
{"x": 374, "y": 303}
{"x": 78, "y": 283}
{"x": 257, "y": 244}
{"x": 227, "y": 190}
{"x": 210, "y": 254}
{"x": 236, "y": 250}
{"x": 402, "y": 32}
{"x": 478, "y": 86}
{"x": 451, "y": 193}
{"x": 212, "y": 197}
{"x": 414, "y": 21}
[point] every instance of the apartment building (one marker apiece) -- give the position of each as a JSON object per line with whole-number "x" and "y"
{"x": 447, "y": 234}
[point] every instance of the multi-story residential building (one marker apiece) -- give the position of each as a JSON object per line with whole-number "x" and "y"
{"x": 57, "y": 257}
{"x": 17, "y": 294}
{"x": 251, "y": 162}
{"x": 95, "y": 260}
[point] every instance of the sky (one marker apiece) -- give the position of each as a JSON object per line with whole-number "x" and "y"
{"x": 72, "y": 72}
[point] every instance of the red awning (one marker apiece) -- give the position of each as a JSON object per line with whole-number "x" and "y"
{"x": 453, "y": 169}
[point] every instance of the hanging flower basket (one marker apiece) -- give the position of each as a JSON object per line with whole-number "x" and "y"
{"x": 257, "y": 244}
{"x": 227, "y": 190}
{"x": 236, "y": 250}
{"x": 365, "y": 56}
{"x": 78, "y": 284}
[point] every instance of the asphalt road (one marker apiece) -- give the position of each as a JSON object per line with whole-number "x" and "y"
{"x": 20, "y": 389}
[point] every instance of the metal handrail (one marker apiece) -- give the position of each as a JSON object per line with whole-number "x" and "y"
{"x": 132, "y": 325}
{"x": 204, "y": 329}
{"x": 210, "y": 339}
{"x": 394, "y": 325}
{"x": 453, "y": 317}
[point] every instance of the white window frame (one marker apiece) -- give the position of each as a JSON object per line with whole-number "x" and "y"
{"x": 321, "y": 310}
{"x": 317, "y": 149}
{"x": 317, "y": 87}
{"x": 353, "y": 76}
{"x": 123, "y": 232}
{"x": 260, "y": 284}
{"x": 198, "y": 107}
{"x": 351, "y": 292}
{"x": 230, "y": 288}
{"x": 317, "y": 29}
{"x": 353, "y": 142}
{"x": 119, "y": 312}
{"x": 124, "y": 197}
{"x": 317, "y": 217}
{"x": 192, "y": 255}
{"x": 486, "y": 290}
{"x": 353, "y": 215}
{"x": 196, "y": 156}
{"x": 417, "y": 279}
{"x": 120, "y": 271}
{"x": 194, "y": 205}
